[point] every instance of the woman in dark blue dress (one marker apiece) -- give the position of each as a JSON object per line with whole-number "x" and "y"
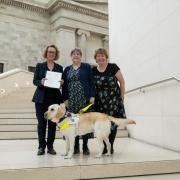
{"x": 78, "y": 90}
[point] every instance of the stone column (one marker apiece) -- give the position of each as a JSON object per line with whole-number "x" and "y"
{"x": 65, "y": 40}
{"x": 82, "y": 42}
{"x": 106, "y": 43}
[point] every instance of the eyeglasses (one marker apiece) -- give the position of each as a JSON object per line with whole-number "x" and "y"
{"x": 51, "y": 52}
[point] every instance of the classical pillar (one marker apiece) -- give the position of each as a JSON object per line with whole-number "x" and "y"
{"x": 82, "y": 42}
{"x": 65, "y": 40}
{"x": 106, "y": 43}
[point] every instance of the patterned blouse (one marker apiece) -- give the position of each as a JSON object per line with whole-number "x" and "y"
{"x": 108, "y": 98}
{"x": 77, "y": 99}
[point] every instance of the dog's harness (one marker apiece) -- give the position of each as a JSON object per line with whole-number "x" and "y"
{"x": 67, "y": 120}
{"x": 66, "y": 114}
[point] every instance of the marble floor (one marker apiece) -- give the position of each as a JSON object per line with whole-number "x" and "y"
{"x": 175, "y": 176}
{"x": 21, "y": 154}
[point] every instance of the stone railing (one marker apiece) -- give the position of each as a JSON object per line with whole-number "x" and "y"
{"x": 13, "y": 80}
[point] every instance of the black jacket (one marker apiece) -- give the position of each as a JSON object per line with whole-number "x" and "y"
{"x": 40, "y": 73}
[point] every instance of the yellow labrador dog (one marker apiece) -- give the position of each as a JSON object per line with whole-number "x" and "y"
{"x": 98, "y": 123}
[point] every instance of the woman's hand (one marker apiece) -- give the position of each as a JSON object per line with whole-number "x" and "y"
{"x": 61, "y": 82}
{"x": 92, "y": 100}
{"x": 66, "y": 103}
{"x": 43, "y": 80}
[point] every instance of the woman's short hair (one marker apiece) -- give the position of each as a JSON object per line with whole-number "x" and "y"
{"x": 100, "y": 51}
{"x": 76, "y": 50}
{"x": 46, "y": 51}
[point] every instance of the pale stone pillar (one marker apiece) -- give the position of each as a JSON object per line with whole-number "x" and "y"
{"x": 65, "y": 40}
{"x": 82, "y": 43}
{"x": 106, "y": 43}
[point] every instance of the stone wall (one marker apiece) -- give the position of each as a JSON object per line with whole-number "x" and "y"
{"x": 25, "y": 31}
{"x": 145, "y": 44}
{"x": 23, "y": 36}
{"x": 21, "y": 46}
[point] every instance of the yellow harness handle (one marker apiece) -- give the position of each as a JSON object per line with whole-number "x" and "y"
{"x": 85, "y": 108}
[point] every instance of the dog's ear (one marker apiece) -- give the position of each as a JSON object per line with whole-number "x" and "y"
{"x": 62, "y": 105}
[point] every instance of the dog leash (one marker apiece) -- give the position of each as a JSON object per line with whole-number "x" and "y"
{"x": 85, "y": 108}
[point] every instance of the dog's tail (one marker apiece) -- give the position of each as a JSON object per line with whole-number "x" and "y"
{"x": 121, "y": 121}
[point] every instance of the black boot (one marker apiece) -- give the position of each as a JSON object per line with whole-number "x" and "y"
{"x": 76, "y": 145}
{"x": 112, "y": 137}
{"x": 105, "y": 148}
{"x": 85, "y": 146}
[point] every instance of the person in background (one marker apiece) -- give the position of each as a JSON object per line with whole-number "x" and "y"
{"x": 109, "y": 95}
{"x": 78, "y": 90}
{"x": 44, "y": 97}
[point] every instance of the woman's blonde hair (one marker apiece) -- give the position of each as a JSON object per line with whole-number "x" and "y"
{"x": 100, "y": 51}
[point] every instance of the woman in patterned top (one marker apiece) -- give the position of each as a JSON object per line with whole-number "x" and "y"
{"x": 109, "y": 95}
{"x": 78, "y": 90}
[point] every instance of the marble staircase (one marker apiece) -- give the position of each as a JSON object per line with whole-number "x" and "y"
{"x": 18, "y": 119}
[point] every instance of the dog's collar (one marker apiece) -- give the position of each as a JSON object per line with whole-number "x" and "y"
{"x": 66, "y": 114}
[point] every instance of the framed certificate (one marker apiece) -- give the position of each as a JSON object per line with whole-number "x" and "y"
{"x": 53, "y": 79}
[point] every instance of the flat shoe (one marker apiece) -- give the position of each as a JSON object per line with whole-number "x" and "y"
{"x": 51, "y": 151}
{"x": 40, "y": 152}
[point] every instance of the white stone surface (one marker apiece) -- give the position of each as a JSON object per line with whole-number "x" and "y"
{"x": 145, "y": 43}
{"x": 13, "y": 80}
{"x": 175, "y": 176}
{"x": 22, "y": 154}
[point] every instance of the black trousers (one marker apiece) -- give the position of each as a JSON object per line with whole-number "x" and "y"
{"x": 41, "y": 108}
{"x": 84, "y": 137}
{"x": 85, "y": 142}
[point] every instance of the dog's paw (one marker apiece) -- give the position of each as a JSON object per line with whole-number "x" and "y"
{"x": 98, "y": 156}
{"x": 64, "y": 154}
{"x": 67, "y": 157}
{"x": 107, "y": 154}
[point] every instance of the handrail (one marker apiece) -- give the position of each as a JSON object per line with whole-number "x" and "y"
{"x": 152, "y": 84}
{"x": 12, "y": 72}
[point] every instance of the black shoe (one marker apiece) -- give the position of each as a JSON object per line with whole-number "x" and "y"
{"x": 76, "y": 151}
{"x": 105, "y": 150}
{"x": 51, "y": 151}
{"x": 86, "y": 151}
{"x": 112, "y": 150}
{"x": 40, "y": 152}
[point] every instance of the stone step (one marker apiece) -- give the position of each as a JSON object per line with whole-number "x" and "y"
{"x": 18, "y": 128}
{"x": 21, "y": 135}
{"x": 22, "y": 124}
{"x": 20, "y": 109}
{"x": 22, "y": 115}
{"x": 10, "y": 135}
{"x": 16, "y": 102}
{"x": 18, "y": 135}
{"x": 18, "y": 121}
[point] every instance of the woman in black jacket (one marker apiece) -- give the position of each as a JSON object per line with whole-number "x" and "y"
{"x": 44, "y": 97}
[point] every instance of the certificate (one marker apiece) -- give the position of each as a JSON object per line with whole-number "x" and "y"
{"x": 53, "y": 79}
